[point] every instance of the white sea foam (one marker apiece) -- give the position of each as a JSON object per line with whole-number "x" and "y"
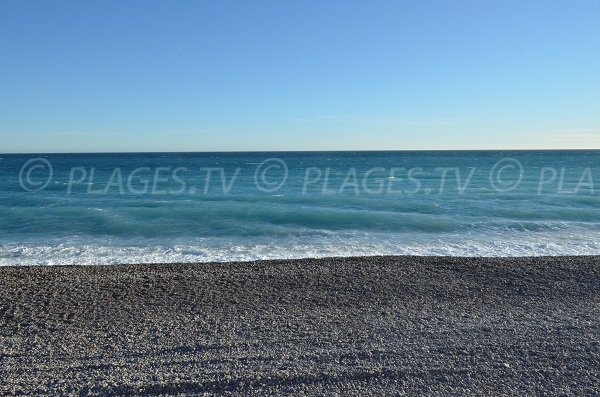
{"x": 210, "y": 250}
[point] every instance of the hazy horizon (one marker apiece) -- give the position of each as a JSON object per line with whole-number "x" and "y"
{"x": 307, "y": 151}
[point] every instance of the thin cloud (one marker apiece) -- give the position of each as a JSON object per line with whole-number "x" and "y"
{"x": 351, "y": 118}
{"x": 573, "y": 137}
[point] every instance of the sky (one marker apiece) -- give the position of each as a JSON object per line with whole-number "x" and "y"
{"x": 102, "y": 76}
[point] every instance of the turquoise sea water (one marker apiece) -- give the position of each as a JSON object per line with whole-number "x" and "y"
{"x": 196, "y": 207}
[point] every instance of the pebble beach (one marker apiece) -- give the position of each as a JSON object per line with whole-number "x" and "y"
{"x": 336, "y": 326}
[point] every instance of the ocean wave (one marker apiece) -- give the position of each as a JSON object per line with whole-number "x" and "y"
{"x": 108, "y": 252}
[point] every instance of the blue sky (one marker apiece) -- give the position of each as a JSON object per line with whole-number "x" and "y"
{"x": 82, "y": 76}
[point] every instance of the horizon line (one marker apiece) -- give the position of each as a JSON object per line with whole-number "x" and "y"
{"x": 304, "y": 151}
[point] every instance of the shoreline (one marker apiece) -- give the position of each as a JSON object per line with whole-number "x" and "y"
{"x": 350, "y": 325}
{"x": 315, "y": 258}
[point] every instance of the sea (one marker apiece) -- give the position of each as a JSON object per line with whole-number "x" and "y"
{"x": 118, "y": 208}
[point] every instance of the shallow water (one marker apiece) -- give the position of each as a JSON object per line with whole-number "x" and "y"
{"x": 193, "y": 207}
